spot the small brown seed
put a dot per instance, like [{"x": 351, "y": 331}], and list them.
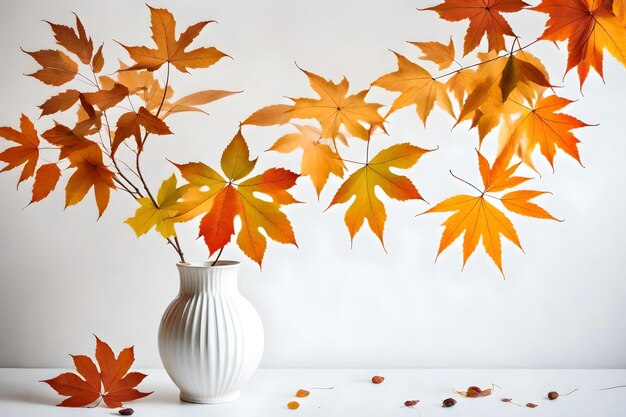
[
  {"x": 506, "y": 400},
  {"x": 411, "y": 403},
  {"x": 448, "y": 402},
  {"x": 553, "y": 395},
  {"x": 531, "y": 405},
  {"x": 378, "y": 379},
  {"x": 126, "y": 411}
]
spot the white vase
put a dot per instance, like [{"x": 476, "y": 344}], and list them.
[{"x": 211, "y": 337}]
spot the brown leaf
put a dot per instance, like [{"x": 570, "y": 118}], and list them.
[
  {"x": 27, "y": 150},
  {"x": 58, "y": 68},
  {"x": 60, "y": 102},
  {"x": 78, "y": 44},
  {"x": 129, "y": 125},
  {"x": 46, "y": 180},
  {"x": 105, "y": 99}
]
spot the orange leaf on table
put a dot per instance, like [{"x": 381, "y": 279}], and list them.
[
  {"x": 58, "y": 68},
  {"x": 540, "y": 125},
  {"x": 276, "y": 114},
  {"x": 106, "y": 99},
  {"x": 129, "y": 125},
  {"x": 112, "y": 382},
  {"x": 589, "y": 26},
  {"x": 90, "y": 173},
  {"x": 77, "y": 43},
  {"x": 437, "y": 52},
  {"x": 319, "y": 159},
  {"x": 301, "y": 393},
  {"x": 417, "y": 87},
  {"x": 477, "y": 218},
  {"x": 171, "y": 50},
  {"x": 230, "y": 196},
  {"x": 27, "y": 150},
  {"x": 335, "y": 108},
  {"x": 60, "y": 102},
  {"x": 377, "y": 173},
  {"x": 485, "y": 19},
  {"x": 46, "y": 180}
]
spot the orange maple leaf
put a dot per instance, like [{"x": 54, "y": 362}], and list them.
[
  {"x": 60, "y": 102},
  {"x": 478, "y": 218},
  {"x": 417, "y": 87},
  {"x": 27, "y": 150},
  {"x": 437, "y": 52},
  {"x": 90, "y": 173},
  {"x": 375, "y": 173},
  {"x": 111, "y": 383},
  {"x": 485, "y": 18},
  {"x": 46, "y": 181},
  {"x": 68, "y": 140},
  {"x": 77, "y": 43},
  {"x": 57, "y": 67},
  {"x": 319, "y": 158},
  {"x": 589, "y": 26},
  {"x": 172, "y": 50},
  {"x": 230, "y": 196},
  {"x": 335, "y": 108},
  {"x": 276, "y": 114},
  {"x": 540, "y": 125},
  {"x": 129, "y": 125}
]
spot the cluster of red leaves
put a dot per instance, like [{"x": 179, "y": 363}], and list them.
[{"x": 111, "y": 383}]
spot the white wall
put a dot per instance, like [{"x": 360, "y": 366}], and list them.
[{"x": 64, "y": 276}]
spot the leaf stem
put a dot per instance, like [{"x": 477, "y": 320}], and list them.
[
  {"x": 218, "y": 256},
  {"x": 468, "y": 183}
]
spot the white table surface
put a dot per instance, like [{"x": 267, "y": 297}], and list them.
[{"x": 21, "y": 395}]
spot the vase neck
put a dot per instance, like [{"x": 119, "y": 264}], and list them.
[{"x": 219, "y": 279}]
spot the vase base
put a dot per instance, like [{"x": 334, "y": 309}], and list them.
[{"x": 216, "y": 400}]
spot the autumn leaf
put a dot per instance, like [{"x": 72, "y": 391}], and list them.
[
  {"x": 190, "y": 102},
  {"x": 68, "y": 140},
  {"x": 129, "y": 125},
  {"x": 90, "y": 173},
  {"x": 476, "y": 217},
  {"x": 486, "y": 103},
  {"x": 111, "y": 383},
  {"x": 319, "y": 159},
  {"x": 148, "y": 215},
  {"x": 540, "y": 125},
  {"x": 230, "y": 196},
  {"x": 57, "y": 68},
  {"x": 97, "y": 63},
  {"x": 485, "y": 19},
  {"x": 60, "y": 102},
  {"x": 171, "y": 50},
  {"x": 417, "y": 87},
  {"x": 437, "y": 52},
  {"x": 475, "y": 392},
  {"x": 27, "y": 150},
  {"x": 77, "y": 43},
  {"x": 335, "y": 108},
  {"x": 46, "y": 180},
  {"x": 276, "y": 114},
  {"x": 375, "y": 173},
  {"x": 105, "y": 99},
  {"x": 589, "y": 26}
]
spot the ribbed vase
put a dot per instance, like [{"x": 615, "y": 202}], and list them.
[{"x": 211, "y": 337}]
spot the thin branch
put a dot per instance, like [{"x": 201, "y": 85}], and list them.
[
  {"x": 218, "y": 256},
  {"x": 447, "y": 74},
  {"x": 468, "y": 183}
]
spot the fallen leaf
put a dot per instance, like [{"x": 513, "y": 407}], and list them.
[{"x": 111, "y": 382}]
